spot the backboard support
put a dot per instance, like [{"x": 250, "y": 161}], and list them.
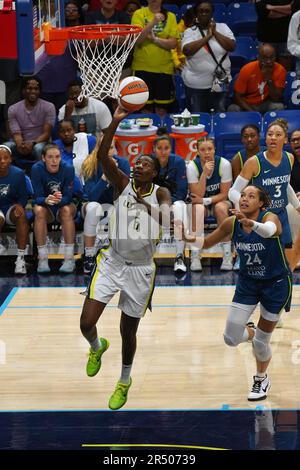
[{"x": 30, "y": 16}]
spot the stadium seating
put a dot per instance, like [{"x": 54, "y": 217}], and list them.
[
  {"x": 180, "y": 92},
  {"x": 242, "y": 18},
  {"x": 245, "y": 51},
  {"x": 174, "y": 9},
  {"x": 291, "y": 94},
  {"x": 227, "y": 130},
  {"x": 291, "y": 115}
]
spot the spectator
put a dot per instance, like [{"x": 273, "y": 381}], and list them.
[
  {"x": 273, "y": 17},
  {"x": 98, "y": 191},
  {"x": 95, "y": 5},
  {"x": 187, "y": 20},
  {"x": 53, "y": 182},
  {"x": 74, "y": 148},
  {"x": 210, "y": 177},
  {"x": 260, "y": 84},
  {"x": 293, "y": 41},
  {"x": 89, "y": 115},
  {"x": 30, "y": 122},
  {"x": 152, "y": 56},
  {"x": 107, "y": 13},
  {"x": 13, "y": 199},
  {"x": 131, "y": 6},
  {"x": 206, "y": 46},
  {"x": 172, "y": 175},
  {"x": 250, "y": 135},
  {"x": 64, "y": 67}
]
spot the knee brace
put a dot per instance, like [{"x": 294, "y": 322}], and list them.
[
  {"x": 261, "y": 347},
  {"x": 235, "y": 330},
  {"x": 92, "y": 216}
]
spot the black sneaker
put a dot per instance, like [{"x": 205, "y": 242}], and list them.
[{"x": 88, "y": 264}]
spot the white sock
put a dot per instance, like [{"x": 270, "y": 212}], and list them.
[
  {"x": 179, "y": 247},
  {"x": 261, "y": 375},
  {"x": 89, "y": 251},
  {"x": 20, "y": 253},
  {"x": 69, "y": 251},
  {"x": 226, "y": 249},
  {"x": 195, "y": 254},
  {"x": 43, "y": 251},
  {"x": 245, "y": 335},
  {"x": 96, "y": 344},
  {"x": 125, "y": 374}
]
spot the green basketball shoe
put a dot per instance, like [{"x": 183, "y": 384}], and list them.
[
  {"x": 94, "y": 361},
  {"x": 119, "y": 397}
]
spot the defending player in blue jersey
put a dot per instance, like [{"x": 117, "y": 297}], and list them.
[
  {"x": 271, "y": 169},
  {"x": 264, "y": 278}
]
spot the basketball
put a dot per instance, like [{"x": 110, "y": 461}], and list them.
[{"x": 133, "y": 93}]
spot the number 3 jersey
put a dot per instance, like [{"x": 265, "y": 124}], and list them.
[
  {"x": 134, "y": 233},
  {"x": 260, "y": 258},
  {"x": 274, "y": 180}
]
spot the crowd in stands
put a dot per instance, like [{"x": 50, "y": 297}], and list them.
[{"x": 49, "y": 138}]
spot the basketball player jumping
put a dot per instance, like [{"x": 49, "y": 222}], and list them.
[
  {"x": 126, "y": 266},
  {"x": 264, "y": 278}
]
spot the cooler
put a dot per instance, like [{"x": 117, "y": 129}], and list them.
[
  {"x": 134, "y": 142},
  {"x": 186, "y": 140}
]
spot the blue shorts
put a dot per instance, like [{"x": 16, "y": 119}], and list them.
[{"x": 273, "y": 294}]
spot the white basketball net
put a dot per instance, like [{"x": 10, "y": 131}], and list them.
[{"x": 101, "y": 61}]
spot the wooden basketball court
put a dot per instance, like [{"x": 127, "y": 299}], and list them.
[{"x": 181, "y": 361}]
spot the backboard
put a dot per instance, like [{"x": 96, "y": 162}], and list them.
[{"x": 30, "y": 17}]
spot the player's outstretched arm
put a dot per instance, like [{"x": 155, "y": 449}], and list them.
[{"x": 110, "y": 169}]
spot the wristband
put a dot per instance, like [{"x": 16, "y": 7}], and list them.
[{"x": 206, "y": 201}]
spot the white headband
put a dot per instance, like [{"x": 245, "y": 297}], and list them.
[{"x": 5, "y": 147}]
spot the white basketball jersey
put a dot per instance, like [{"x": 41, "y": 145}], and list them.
[{"x": 134, "y": 233}]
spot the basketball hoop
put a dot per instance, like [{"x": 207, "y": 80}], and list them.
[{"x": 100, "y": 50}]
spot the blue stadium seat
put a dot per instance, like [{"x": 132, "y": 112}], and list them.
[
  {"x": 227, "y": 130},
  {"x": 174, "y": 9},
  {"x": 180, "y": 92},
  {"x": 185, "y": 7},
  {"x": 291, "y": 115},
  {"x": 291, "y": 94},
  {"x": 245, "y": 51},
  {"x": 220, "y": 11},
  {"x": 242, "y": 18}
]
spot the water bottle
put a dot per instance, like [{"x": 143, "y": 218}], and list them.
[{"x": 81, "y": 125}]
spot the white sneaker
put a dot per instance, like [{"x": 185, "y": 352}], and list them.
[
  {"x": 2, "y": 249},
  {"x": 179, "y": 264},
  {"x": 43, "y": 266},
  {"x": 20, "y": 266},
  {"x": 196, "y": 264},
  {"x": 236, "y": 266},
  {"x": 68, "y": 266},
  {"x": 260, "y": 388},
  {"x": 226, "y": 264}
]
